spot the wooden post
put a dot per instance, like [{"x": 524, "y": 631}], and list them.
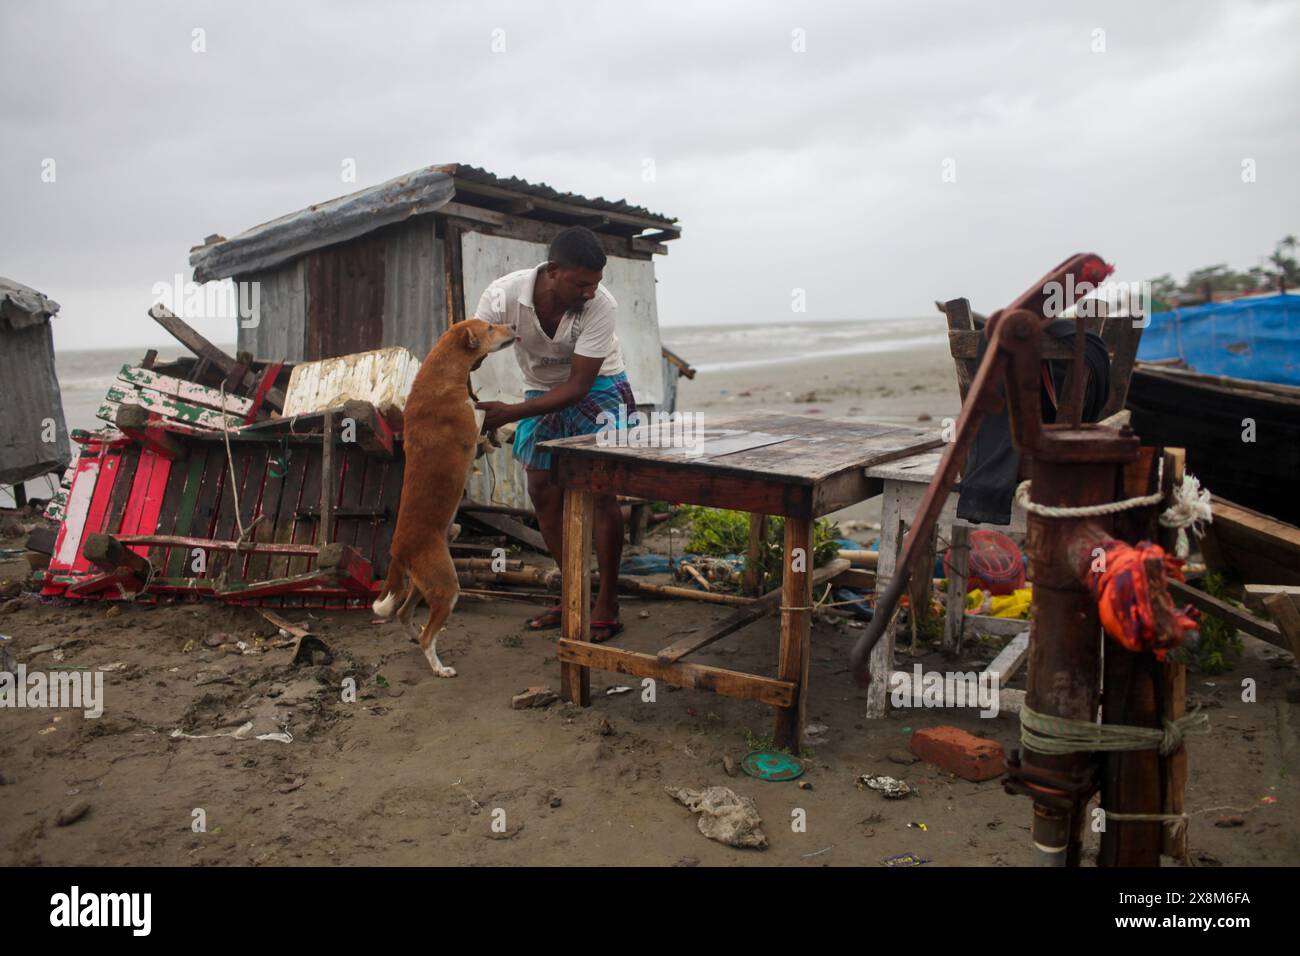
[
  {"x": 1173, "y": 679},
  {"x": 640, "y": 521},
  {"x": 328, "y": 482},
  {"x": 796, "y": 615},
  {"x": 575, "y": 587},
  {"x": 751, "y": 581},
  {"x": 958, "y": 575},
  {"x": 959, "y": 320},
  {"x": 1282, "y": 609},
  {"x": 891, "y": 543},
  {"x": 919, "y": 589}
]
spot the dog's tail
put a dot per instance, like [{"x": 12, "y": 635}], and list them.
[{"x": 394, "y": 590}]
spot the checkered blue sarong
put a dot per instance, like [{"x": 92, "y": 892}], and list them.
[{"x": 582, "y": 418}]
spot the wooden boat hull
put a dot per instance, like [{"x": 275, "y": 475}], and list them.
[{"x": 1242, "y": 437}]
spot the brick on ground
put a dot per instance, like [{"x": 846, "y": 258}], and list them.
[{"x": 959, "y": 752}]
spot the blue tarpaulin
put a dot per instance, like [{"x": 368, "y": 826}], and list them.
[{"x": 1254, "y": 338}]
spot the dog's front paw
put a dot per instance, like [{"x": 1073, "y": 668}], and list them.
[{"x": 445, "y": 671}]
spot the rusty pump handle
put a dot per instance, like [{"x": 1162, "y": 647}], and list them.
[{"x": 1013, "y": 357}]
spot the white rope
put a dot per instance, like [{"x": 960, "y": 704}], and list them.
[
  {"x": 1082, "y": 511},
  {"x": 230, "y": 460},
  {"x": 1190, "y": 508}
]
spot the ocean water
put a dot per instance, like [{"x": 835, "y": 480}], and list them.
[
  {"x": 715, "y": 348},
  {"x": 85, "y": 375}
]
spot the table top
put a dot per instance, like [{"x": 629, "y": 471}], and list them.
[
  {"x": 758, "y": 444},
  {"x": 918, "y": 471},
  {"x": 914, "y": 468}
]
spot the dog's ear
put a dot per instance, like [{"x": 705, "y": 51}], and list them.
[{"x": 471, "y": 340}]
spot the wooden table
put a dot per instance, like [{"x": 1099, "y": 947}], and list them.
[
  {"x": 905, "y": 481},
  {"x": 797, "y": 466}
]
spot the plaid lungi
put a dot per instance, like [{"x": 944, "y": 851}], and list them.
[{"x": 583, "y": 418}]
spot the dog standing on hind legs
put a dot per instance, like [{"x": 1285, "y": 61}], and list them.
[{"x": 440, "y": 438}]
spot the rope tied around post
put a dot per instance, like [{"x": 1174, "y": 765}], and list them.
[
  {"x": 1056, "y": 736},
  {"x": 1190, "y": 508}
]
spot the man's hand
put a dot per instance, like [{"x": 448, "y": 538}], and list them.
[{"x": 497, "y": 414}]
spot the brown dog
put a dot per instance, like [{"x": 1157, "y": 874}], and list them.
[{"x": 440, "y": 434}]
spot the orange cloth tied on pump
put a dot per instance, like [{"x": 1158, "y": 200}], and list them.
[{"x": 1129, "y": 610}]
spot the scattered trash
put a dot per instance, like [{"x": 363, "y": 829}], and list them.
[
  {"x": 621, "y": 689},
  {"x": 917, "y": 826},
  {"x": 904, "y": 859},
  {"x": 770, "y": 766},
  {"x": 1268, "y": 800},
  {"x": 241, "y": 733},
  {"x": 533, "y": 697},
  {"x": 854, "y": 599},
  {"x": 71, "y": 813},
  {"x": 825, "y": 849},
  {"x": 891, "y": 788},
  {"x": 728, "y": 765},
  {"x": 996, "y": 564},
  {"x": 805, "y": 785},
  {"x": 311, "y": 650},
  {"x": 724, "y": 815}
]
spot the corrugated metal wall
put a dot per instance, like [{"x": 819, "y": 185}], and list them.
[
  {"x": 415, "y": 286},
  {"x": 281, "y": 329},
  {"x": 29, "y": 396},
  {"x": 414, "y": 308}
]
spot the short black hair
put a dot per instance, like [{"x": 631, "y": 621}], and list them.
[{"x": 577, "y": 248}]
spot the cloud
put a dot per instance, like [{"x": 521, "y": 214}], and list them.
[{"x": 818, "y": 170}]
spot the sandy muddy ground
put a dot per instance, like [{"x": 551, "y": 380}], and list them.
[{"x": 413, "y": 771}]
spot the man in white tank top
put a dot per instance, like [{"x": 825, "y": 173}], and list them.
[{"x": 573, "y": 372}]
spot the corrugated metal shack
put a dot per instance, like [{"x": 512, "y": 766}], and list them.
[
  {"x": 34, "y": 440},
  {"x": 395, "y": 264}
]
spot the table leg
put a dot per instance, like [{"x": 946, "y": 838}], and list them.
[
  {"x": 796, "y": 616},
  {"x": 575, "y": 623},
  {"x": 891, "y": 542},
  {"x": 958, "y": 574},
  {"x": 640, "y": 521},
  {"x": 757, "y": 535}
]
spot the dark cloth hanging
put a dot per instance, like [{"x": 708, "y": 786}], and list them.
[{"x": 993, "y": 465}]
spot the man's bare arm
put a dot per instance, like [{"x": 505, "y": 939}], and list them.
[{"x": 582, "y": 374}]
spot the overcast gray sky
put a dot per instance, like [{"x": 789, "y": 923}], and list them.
[{"x": 819, "y": 169}]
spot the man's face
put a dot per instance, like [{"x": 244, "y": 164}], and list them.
[{"x": 575, "y": 287}]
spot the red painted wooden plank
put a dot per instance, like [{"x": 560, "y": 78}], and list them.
[
  {"x": 67, "y": 544},
  {"x": 111, "y": 461}
]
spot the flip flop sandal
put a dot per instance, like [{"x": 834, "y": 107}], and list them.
[
  {"x": 614, "y": 629},
  {"x": 548, "y": 619}
]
